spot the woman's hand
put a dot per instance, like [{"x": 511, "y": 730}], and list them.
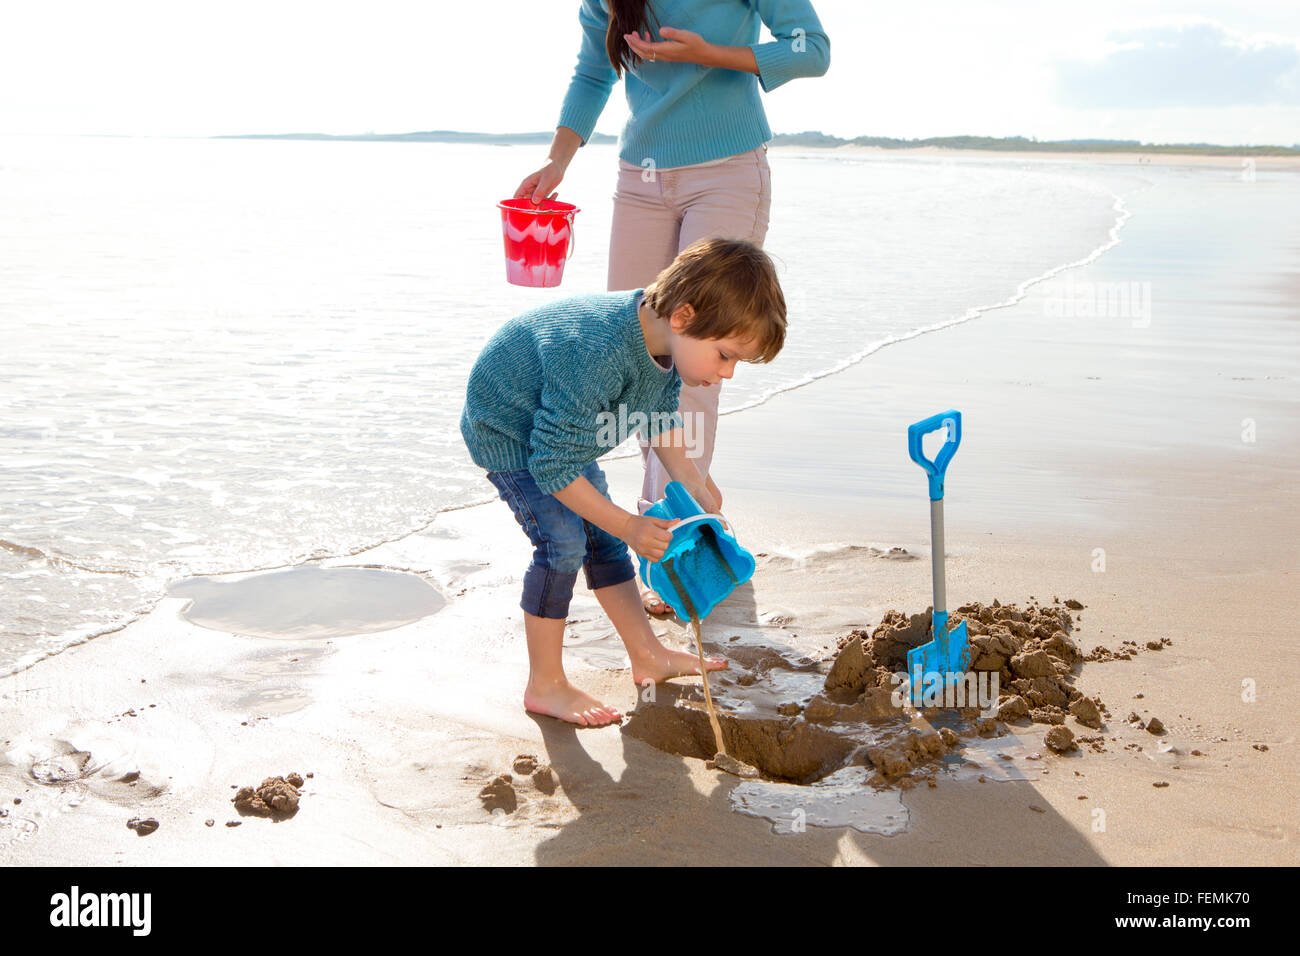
[
  {"x": 717, "y": 495},
  {"x": 541, "y": 184},
  {"x": 679, "y": 46},
  {"x": 711, "y": 500}
]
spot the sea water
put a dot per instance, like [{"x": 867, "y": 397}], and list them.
[{"x": 221, "y": 355}]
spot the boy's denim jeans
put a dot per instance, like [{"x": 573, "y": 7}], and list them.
[{"x": 562, "y": 543}]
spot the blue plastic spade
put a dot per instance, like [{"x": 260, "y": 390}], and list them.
[{"x": 949, "y": 651}]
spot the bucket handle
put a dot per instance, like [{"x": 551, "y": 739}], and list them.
[
  {"x": 573, "y": 237},
  {"x": 683, "y": 522}
]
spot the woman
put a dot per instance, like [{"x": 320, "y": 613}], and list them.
[{"x": 693, "y": 155}]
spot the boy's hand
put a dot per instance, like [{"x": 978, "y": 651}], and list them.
[{"x": 647, "y": 536}]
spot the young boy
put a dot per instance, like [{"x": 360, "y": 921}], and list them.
[{"x": 549, "y": 395}]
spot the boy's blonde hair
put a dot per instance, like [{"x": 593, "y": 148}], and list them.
[{"x": 731, "y": 286}]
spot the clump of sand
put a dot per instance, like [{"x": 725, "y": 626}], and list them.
[
  {"x": 1060, "y": 739},
  {"x": 1126, "y": 652},
  {"x": 525, "y": 764},
  {"x": 500, "y": 794},
  {"x": 502, "y": 791},
  {"x": 275, "y": 797}
]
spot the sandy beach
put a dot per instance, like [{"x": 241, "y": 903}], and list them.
[{"x": 1141, "y": 465}]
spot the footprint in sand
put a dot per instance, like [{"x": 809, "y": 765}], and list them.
[
  {"x": 21, "y": 818},
  {"x": 86, "y": 763},
  {"x": 63, "y": 768},
  {"x": 14, "y": 829},
  {"x": 122, "y": 763}
]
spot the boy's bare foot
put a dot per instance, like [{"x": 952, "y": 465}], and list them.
[
  {"x": 663, "y": 664},
  {"x": 654, "y": 604},
  {"x": 566, "y": 702}
]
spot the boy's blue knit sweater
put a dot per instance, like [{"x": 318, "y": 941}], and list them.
[
  {"x": 561, "y": 385},
  {"x": 684, "y": 113}
]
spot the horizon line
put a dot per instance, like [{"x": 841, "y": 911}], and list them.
[
  {"x": 811, "y": 138},
  {"x": 814, "y": 138}
]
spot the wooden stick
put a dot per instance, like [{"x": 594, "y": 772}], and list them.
[{"x": 708, "y": 698}]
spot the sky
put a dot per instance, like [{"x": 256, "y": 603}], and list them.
[{"x": 1214, "y": 72}]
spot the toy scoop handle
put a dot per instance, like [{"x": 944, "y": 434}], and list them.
[{"x": 949, "y": 420}]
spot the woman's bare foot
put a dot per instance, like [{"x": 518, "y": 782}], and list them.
[
  {"x": 568, "y": 703},
  {"x": 654, "y": 604},
  {"x": 662, "y": 664}
]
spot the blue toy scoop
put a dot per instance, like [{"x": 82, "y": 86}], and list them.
[
  {"x": 706, "y": 561},
  {"x": 703, "y": 564},
  {"x": 948, "y": 652}
]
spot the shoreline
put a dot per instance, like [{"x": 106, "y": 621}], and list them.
[
  {"x": 1135, "y": 157},
  {"x": 974, "y": 312}
]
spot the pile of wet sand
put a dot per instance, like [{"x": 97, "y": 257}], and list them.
[
  {"x": 275, "y": 797},
  {"x": 501, "y": 793},
  {"x": 801, "y": 720}
]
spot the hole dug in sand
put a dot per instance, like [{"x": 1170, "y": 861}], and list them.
[
  {"x": 802, "y": 721},
  {"x": 775, "y": 715}
]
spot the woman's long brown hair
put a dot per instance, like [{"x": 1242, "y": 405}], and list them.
[{"x": 625, "y": 16}]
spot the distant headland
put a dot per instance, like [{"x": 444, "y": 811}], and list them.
[{"x": 818, "y": 140}]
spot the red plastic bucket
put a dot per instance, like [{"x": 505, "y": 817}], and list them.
[{"x": 538, "y": 240}]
